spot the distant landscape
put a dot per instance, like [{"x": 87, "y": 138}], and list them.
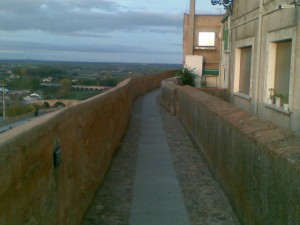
[{"x": 27, "y": 80}]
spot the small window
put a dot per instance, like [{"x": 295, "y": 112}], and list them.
[
  {"x": 245, "y": 70},
  {"x": 206, "y": 39}
]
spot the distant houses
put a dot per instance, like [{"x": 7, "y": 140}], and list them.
[
  {"x": 6, "y": 90},
  {"x": 32, "y": 97}
]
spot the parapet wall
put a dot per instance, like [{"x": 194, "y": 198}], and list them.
[
  {"x": 256, "y": 162},
  {"x": 83, "y": 138}
]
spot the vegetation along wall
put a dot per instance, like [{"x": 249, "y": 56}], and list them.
[
  {"x": 256, "y": 162},
  {"x": 51, "y": 168}
]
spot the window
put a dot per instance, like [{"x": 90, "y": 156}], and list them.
[
  {"x": 283, "y": 67},
  {"x": 279, "y": 68},
  {"x": 243, "y": 70},
  {"x": 206, "y": 39}
]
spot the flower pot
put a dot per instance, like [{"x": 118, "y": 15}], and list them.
[
  {"x": 286, "y": 107},
  {"x": 278, "y": 102},
  {"x": 269, "y": 101}
]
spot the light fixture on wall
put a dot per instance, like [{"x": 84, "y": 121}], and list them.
[
  {"x": 226, "y": 3},
  {"x": 292, "y": 5}
]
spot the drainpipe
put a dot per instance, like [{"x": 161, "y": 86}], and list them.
[
  {"x": 190, "y": 50},
  {"x": 257, "y": 93}
]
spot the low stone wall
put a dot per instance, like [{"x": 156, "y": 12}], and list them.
[
  {"x": 34, "y": 187},
  {"x": 169, "y": 96},
  {"x": 221, "y": 93},
  {"x": 256, "y": 162}
]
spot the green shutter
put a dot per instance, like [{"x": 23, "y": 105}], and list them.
[{"x": 226, "y": 39}]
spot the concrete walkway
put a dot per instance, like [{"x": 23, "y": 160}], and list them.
[
  {"x": 156, "y": 195},
  {"x": 158, "y": 177}
]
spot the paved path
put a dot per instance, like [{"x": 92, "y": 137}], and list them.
[
  {"x": 13, "y": 124},
  {"x": 158, "y": 177},
  {"x": 156, "y": 194}
]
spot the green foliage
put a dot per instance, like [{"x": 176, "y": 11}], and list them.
[
  {"x": 65, "y": 88},
  {"x": 50, "y": 92},
  {"x": 82, "y": 95},
  {"x": 186, "y": 76},
  {"x": 42, "y": 71},
  {"x": 111, "y": 82},
  {"x": 203, "y": 84},
  {"x": 25, "y": 82},
  {"x": 19, "y": 110},
  {"x": 285, "y": 99}
]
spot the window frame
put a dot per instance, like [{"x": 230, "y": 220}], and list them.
[
  {"x": 273, "y": 38},
  {"x": 248, "y": 42}
]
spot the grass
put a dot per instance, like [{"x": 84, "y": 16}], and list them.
[{"x": 82, "y": 95}]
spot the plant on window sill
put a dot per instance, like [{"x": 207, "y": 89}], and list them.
[
  {"x": 281, "y": 100},
  {"x": 278, "y": 99},
  {"x": 271, "y": 98},
  {"x": 285, "y": 100}
]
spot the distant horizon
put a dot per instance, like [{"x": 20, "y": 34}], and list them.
[{"x": 78, "y": 61}]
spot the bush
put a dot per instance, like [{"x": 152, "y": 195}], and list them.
[{"x": 187, "y": 77}]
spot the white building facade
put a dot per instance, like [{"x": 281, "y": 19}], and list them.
[{"x": 262, "y": 58}]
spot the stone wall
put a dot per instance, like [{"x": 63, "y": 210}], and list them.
[
  {"x": 256, "y": 162},
  {"x": 85, "y": 138},
  {"x": 222, "y": 93}
]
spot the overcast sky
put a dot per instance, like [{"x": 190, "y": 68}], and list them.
[{"x": 146, "y": 31}]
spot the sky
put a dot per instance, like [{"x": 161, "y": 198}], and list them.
[{"x": 133, "y": 31}]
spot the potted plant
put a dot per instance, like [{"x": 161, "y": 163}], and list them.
[
  {"x": 271, "y": 98},
  {"x": 203, "y": 84},
  {"x": 278, "y": 99},
  {"x": 186, "y": 76},
  {"x": 285, "y": 100}
]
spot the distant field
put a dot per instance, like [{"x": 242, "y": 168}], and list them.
[{"x": 82, "y": 95}]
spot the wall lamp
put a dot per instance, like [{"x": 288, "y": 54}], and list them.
[
  {"x": 292, "y": 5},
  {"x": 226, "y": 3}
]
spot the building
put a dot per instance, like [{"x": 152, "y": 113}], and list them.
[
  {"x": 201, "y": 45},
  {"x": 259, "y": 56},
  {"x": 264, "y": 57}
]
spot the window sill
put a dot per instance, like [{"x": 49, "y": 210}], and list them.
[
  {"x": 279, "y": 109},
  {"x": 241, "y": 95},
  {"x": 205, "y": 48}
]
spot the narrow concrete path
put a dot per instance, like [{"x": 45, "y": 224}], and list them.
[
  {"x": 158, "y": 177},
  {"x": 156, "y": 195}
]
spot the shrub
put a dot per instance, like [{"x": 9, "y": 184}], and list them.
[{"x": 187, "y": 76}]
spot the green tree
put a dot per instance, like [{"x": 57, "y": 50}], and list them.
[{"x": 65, "y": 88}]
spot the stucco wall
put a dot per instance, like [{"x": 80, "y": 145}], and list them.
[
  {"x": 256, "y": 162},
  {"x": 32, "y": 191},
  {"x": 204, "y": 23},
  {"x": 258, "y": 23},
  {"x": 275, "y": 28}
]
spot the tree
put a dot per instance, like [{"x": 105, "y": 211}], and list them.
[{"x": 65, "y": 88}]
